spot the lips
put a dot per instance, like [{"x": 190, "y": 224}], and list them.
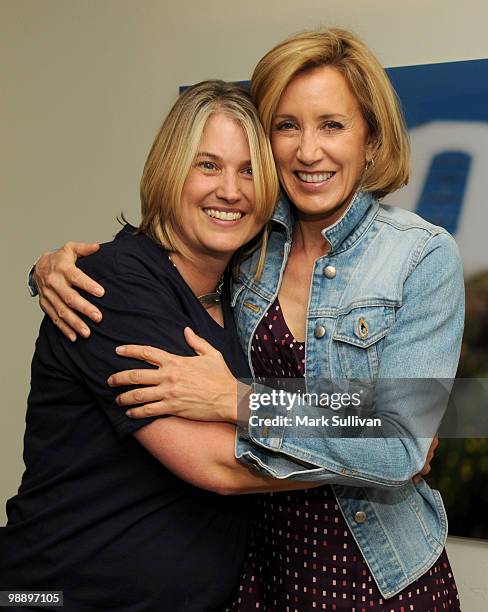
[
  {"x": 314, "y": 177},
  {"x": 223, "y": 215}
]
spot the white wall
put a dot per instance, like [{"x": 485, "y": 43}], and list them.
[
  {"x": 469, "y": 562},
  {"x": 84, "y": 86}
]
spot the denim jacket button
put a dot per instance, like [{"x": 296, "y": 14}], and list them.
[
  {"x": 360, "y": 517},
  {"x": 319, "y": 331},
  {"x": 329, "y": 271}
]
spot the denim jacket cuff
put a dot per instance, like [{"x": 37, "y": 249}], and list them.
[{"x": 279, "y": 466}]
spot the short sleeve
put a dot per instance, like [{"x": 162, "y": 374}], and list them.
[{"x": 138, "y": 307}]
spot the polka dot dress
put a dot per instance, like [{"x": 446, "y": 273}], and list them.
[
  {"x": 275, "y": 353},
  {"x": 301, "y": 554}
]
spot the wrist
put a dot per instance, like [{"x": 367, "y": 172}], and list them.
[
  {"x": 242, "y": 412},
  {"x": 31, "y": 282},
  {"x": 229, "y": 406}
]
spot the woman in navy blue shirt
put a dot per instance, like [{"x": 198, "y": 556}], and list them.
[{"x": 97, "y": 515}]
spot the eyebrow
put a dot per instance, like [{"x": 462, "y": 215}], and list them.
[
  {"x": 201, "y": 154},
  {"x": 322, "y": 117},
  {"x": 211, "y": 155}
]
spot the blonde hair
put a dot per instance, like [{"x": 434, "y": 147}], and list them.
[
  {"x": 369, "y": 83},
  {"x": 176, "y": 145}
]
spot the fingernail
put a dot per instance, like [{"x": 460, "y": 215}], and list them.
[
  {"x": 109, "y": 381},
  {"x": 120, "y": 349},
  {"x": 99, "y": 292},
  {"x": 72, "y": 337},
  {"x": 96, "y": 316},
  {"x": 128, "y": 413},
  {"x": 85, "y": 332}
]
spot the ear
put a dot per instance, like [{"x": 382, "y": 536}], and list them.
[{"x": 370, "y": 149}]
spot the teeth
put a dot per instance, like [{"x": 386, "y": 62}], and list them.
[
  {"x": 224, "y": 216},
  {"x": 318, "y": 177}
]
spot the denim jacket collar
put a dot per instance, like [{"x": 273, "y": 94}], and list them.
[
  {"x": 283, "y": 215},
  {"x": 346, "y": 230}
]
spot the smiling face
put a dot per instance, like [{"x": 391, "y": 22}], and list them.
[
  {"x": 320, "y": 143},
  {"x": 217, "y": 211}
]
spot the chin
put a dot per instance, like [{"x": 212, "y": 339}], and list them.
[
  {"x": 222, "y": 250},
  {"x": 319, "y": 205},
  {"x": 314, "y": 206}
]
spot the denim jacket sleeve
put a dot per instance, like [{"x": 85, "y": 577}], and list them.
[{"x": 423, "y": 342}]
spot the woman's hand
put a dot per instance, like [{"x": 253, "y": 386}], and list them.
[
  {"x": 56, "y": 274},
  {"x": 199, "y": 388},
  {"x": 430, "y": 455}
]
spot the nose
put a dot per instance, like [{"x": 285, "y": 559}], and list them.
[
  {"x": 309, "y": 150},
  {"x": 228, "y": 188}
]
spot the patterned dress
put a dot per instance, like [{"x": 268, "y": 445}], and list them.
[{"x": 301, "y": 554}]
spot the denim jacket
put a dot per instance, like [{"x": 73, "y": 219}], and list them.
[{"x": 402, "y": 276}]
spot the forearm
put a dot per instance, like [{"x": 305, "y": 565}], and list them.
[
  {"x": 203, "y": 455},
  {"x": 387, "y": 449}
]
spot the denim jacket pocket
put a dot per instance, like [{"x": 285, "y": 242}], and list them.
[{"x": 358, "y": 339}]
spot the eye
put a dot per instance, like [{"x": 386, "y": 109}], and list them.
[
  {"x": 247, "y": 171},
  {"x": 284, "y": 126},
  {"x": 332, "y": 125},
  {"x": 206, "y": 165}
]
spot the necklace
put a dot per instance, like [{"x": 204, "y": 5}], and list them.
[{"x": 208, "y": 299}]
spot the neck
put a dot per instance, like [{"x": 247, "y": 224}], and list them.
[
  {"x": 307, "y": 232},
  {"x": 307, "y": 237},
  {"x": 201, "y": 274}
]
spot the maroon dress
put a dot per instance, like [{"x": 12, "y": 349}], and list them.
[{"x": 301, "y": 553}]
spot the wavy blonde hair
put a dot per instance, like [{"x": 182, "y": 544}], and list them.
[
  {"x": 176, "y": 145},
  {"x": 369, "y": 83}
]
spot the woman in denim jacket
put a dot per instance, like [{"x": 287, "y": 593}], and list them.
[{"x": 351, "y": 289}]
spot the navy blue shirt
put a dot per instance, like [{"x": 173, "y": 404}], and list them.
[{"x": 96, "y": 515}]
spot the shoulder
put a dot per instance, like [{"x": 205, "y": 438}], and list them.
[
  {"x": 132, "y": 268},
  {"x": 420, "y": 237},
  {"x": 129, "y": 253},
  {"x": 404, "y": 220}
]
